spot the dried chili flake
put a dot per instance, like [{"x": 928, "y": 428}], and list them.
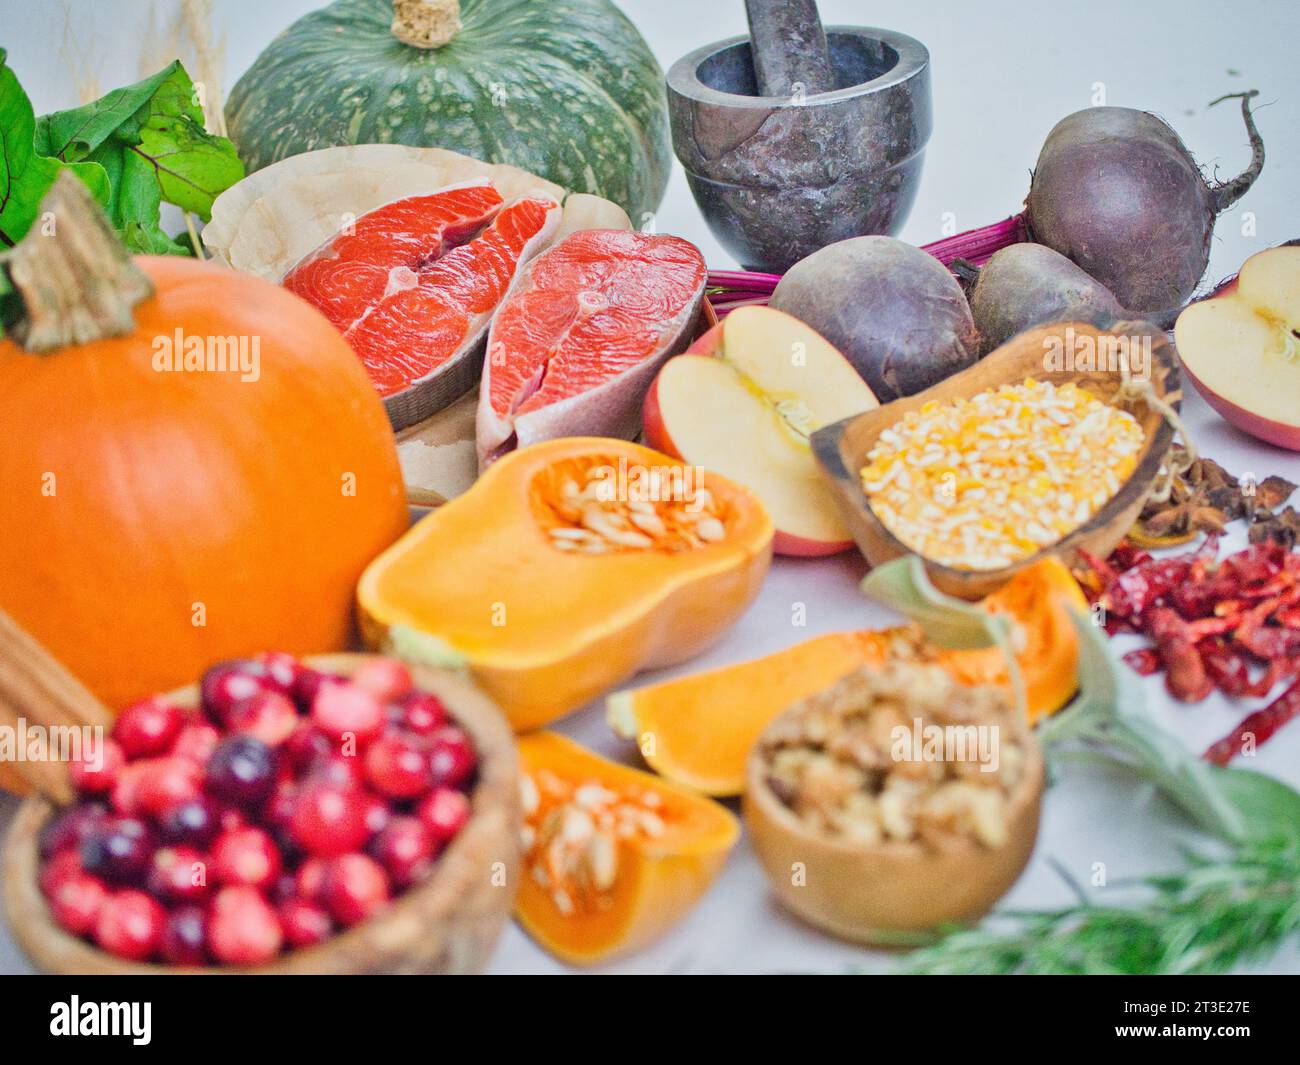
[{"x": 1258, "y": 727}]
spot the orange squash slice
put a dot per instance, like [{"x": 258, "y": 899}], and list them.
[
  {"x": 613, "y": 856},
  {"x": 698, "y": 730},
  {"x": 548, "y": 614}
]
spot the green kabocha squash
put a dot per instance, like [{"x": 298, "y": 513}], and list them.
[{"x": 567, "y": 89}]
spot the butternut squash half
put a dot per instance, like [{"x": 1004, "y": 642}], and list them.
[
  {"x": 613, "y": 856},
  {"x": 568, "y": 567},
  {"x": 698, "y": 730}
]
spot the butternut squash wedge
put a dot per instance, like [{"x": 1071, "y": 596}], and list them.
[
  {"x": 613, "y": 856},
  {"x": 571, "y": 565},
  {"x": 698, "y": 730}
]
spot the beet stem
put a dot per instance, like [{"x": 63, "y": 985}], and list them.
[{"x": 1229, "y": 192}]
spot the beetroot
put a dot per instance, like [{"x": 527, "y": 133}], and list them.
[
  {"x": 1029, "y": 284},
  {"x": 1117, "y": 192},
  {"x": 892, "y": 310}
]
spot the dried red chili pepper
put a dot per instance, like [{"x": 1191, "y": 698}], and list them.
[
  {"x": 1145, "y": 661},
  {"x": 1261, "y": 726},
  {"x": 1185, "y": 674}
]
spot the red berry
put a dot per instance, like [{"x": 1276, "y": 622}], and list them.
[
  {"x": 165, "y": 783},
  {"x": 76, "y": 903},
  {"x": 124, "y": 797},
  {"x": 452, "y": 758},
  {"x": 310, "y": 879},
  {"x": 242, "y": 927},
  {"x": 68, "y": 829},
  {"x": 246, "y": 856},
  {"x": 130, "y": 925},
  {"x": 195, "y": 823},
  {"x": 405, "y": 849},
  {"x": 310, "y": 681},
  {"x": 344, "y": 710},
  {"x": 148, "y": 728},
  {"x": 355, "y": 887},
  {"x": 63, "y": 866},
  {"x": 378, "y": 813},
  {"x": 424, "y": 714},
  {"x": 282, "y": 668},
  {"x": 397, "y": 768},
  {"x": 118, "y": 851},
  {"x": 279, "y": 808},
  {"x": 305, "y": 745},
  {"x": 242, "y": 771},
  {"x": 444, "y": 813},
  {"x": 384, "y": 678},
  {"x": 344, "y": 771},
  {"x": 179, "y": 874},
  {"x": 329, "y": 819},
  {"x": 96, "y": 772},
  {"x": 305, "y": 923},
  {"x": 185, "y": 937},
  {"x": 227, "y": 683},
  {"x": 196, "y": 742},
  {"x": 269, "y": 716}
]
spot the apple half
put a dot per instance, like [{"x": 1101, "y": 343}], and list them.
[
  {"x": 1241, "y": 348},
  {"x": 743, "y": 400}
]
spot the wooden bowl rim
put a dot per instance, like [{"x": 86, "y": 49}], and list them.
[
  {"x": 826, "y": 446},
  {"x": 495, "y": 791}
]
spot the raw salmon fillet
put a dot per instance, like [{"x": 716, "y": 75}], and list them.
[
  {"x": 413, "y": 284},
  {"x": 576, "y": 344}
]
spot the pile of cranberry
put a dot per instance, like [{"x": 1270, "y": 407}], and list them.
[{"x": 294, "y": 803}]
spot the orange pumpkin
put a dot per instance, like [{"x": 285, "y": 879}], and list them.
[{"x": 157, "y": 520}]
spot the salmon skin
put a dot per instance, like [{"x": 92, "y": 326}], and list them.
[
  {"x": 576, "y": 345},
  {"x": 412, "y": 286}
]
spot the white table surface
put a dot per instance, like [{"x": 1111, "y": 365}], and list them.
[{"x": 1003, "y": 73}]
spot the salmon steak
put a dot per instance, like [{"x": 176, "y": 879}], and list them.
[
  {"x": 575, "y": 346},
  {"x": 412, "y": 286}
]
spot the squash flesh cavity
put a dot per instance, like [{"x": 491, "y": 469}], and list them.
[
  {"x": 658, "y": 877},
  {"x": 544, "y": 630},
  {"x": 698, "y": 730}
]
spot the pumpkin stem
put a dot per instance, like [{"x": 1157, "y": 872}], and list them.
[
  {"x": 77, "y": 281},
  {"x": 425, "y": 23}
]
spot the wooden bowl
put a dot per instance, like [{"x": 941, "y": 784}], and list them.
[
  {"x": 448, "y": 923},
  {"x": 842, "y": 448},
  {"x": 870, "y": 893}
]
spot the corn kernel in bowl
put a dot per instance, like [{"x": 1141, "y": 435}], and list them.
[{"x": 983, "y": 482}]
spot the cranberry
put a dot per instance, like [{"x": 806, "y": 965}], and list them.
[
  {"x": 195, "y": 823},
  {"x": 96, "y": 773},
  {"x": 148, "y": 728},
  {"x": 423, "y": 714},
  {"x": 306, "y": 745},
  {"x": 227, "y": 683},
  {"x": 68, "y": 829},
  {"x": 231, "y": 819},
  {"x": 196, "y": 742},
  {"x": 242, "y": 927},
  {"x": 344, "y": 771},
  {"x": 62, "y": 866},
  {"x": 378, "y": 814},
  {"x": 355, "y": 887},
  {"x": 269, "y": 716},
  {"x": 309, "y": 881},
  {"x": 126, "y": 789},
  {"x": 76, "y": 903},
  {"x": 329, "y": 819},
  {"x": 130, "y": 925},
  {"x": 304, "y": 923},
  {"x": 246, "y": 856},
  {"x": 396, "y": 767},
  {"x": 179, "y": 874},
  {"x": 282, "y": 668},
  {"x": 452, "y": 758},
  {"x": 346, "y": 710},
  {"x": 165, "y": 783},
  {"x": 405, "y": 849},
  {"x": 384, "y": 678},
  {"x": 185, "y": 937},
  {"x": 119, "y": 851},
  {"x": 310, "y": 682},
  {"x": 241, "y": 771},
  {"x": 279, "y": 808},
  {"x": 444, "y": 813}
]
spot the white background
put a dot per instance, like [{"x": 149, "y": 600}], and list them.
[{"x": 1003, "y": 73}]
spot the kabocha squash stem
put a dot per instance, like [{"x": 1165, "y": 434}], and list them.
[
  {"x": 426, "y": 23},
  {"x": 77, "y": 281},
  {"x": 36, "y": 688}
]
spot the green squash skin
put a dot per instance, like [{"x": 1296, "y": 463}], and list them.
[{"x": 566, "y": 89}]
